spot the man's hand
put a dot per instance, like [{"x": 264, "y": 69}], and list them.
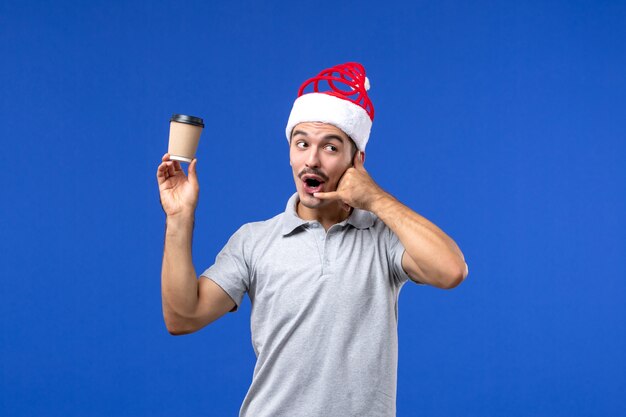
[
  {"x": 356, "y": 188},
  {"x": 178, "y": 193}
]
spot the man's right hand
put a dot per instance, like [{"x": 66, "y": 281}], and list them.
[{"x": 178, "y": 192}]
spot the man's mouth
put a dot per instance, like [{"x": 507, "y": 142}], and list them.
[{"x": 312, "y": 183}]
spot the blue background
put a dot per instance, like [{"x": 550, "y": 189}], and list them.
[{"x": 503, "y": 123}]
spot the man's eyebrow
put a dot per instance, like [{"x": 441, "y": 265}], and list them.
[
  {"x": 328, "y": 137},
  {"x": 298, "y": 132}
]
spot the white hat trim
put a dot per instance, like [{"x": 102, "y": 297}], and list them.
[{"x": 320, "y": 107}]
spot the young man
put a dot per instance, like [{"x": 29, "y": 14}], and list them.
[{"x": 324, "y": 276}]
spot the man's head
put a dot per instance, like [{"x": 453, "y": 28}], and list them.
[
  {"x": 327, "y": 127},
  {"x": 319, "y": 154}
]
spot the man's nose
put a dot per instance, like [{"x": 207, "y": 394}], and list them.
[{"x": 312, "y": 159}]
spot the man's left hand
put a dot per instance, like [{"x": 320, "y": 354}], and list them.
[{"x": 356, "y": 188}]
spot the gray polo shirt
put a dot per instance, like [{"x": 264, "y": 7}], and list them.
[{"x": 324, "y": 313}]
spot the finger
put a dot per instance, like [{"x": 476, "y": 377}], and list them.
[
  {"x": 177, "y": 166},
  {"x": 170, "y": 168},
  {"x": 161, "y": 172},
  {"x": 166, "y": 157},
  {"x": 358, "y": 160},
  {"x": 193, "y": 175},
  {"x": 331, "y": 195}
]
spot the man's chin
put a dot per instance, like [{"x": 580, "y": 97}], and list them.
[{"x": 309, "y": 201}]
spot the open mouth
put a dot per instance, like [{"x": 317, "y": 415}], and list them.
[{"x": 312, "y": 184}]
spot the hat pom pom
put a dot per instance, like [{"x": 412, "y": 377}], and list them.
[{"x": 367, "y": 84}]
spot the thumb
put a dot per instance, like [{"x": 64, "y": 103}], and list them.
[{"x": 193, "y": 175}]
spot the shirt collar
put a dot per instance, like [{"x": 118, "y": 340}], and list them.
[
  {"x": 359, "y": 219},
  {"x": 291, "y": 221}
]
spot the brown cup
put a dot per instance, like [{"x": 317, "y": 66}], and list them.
[{"x": 184, "y": 137}]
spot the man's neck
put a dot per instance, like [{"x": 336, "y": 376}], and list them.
[{"x": 326, "y": 216}]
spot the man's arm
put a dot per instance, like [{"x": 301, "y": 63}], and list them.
[
  {"x": 188, "y": 303},
  {"x": 430, "y": 257}
]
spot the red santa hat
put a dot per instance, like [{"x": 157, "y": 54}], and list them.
[{"x": 343, "y": 102}]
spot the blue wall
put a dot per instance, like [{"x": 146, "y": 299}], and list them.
[{"x": 503, "y": 123}]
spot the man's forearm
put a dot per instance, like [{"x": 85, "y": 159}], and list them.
[
  {"x": 179, "y": 285},
  {"x": 436, "y": 254}
]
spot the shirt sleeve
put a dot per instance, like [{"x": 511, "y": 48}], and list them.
[{"x": 231, "y": 270}]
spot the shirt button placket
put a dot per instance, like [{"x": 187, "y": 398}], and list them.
[
  {"x": 324, "y": 240},
  {"x": 318, "y": 234},
  {"x": 327, "y": 253}
]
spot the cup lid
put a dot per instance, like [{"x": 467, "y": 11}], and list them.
[{"x": 190, "y": 120}]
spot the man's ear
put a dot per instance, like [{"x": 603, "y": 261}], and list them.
[{"x": 362, "y": 156}]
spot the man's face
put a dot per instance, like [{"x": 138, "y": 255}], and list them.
[{"x": 319, "y": 153}]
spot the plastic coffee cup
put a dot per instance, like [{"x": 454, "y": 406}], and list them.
[{"x": 184, "y": 137}]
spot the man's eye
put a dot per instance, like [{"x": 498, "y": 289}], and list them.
[
  {"x": 301, "y": 144},
  {"x": 331, "y": 148}
]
